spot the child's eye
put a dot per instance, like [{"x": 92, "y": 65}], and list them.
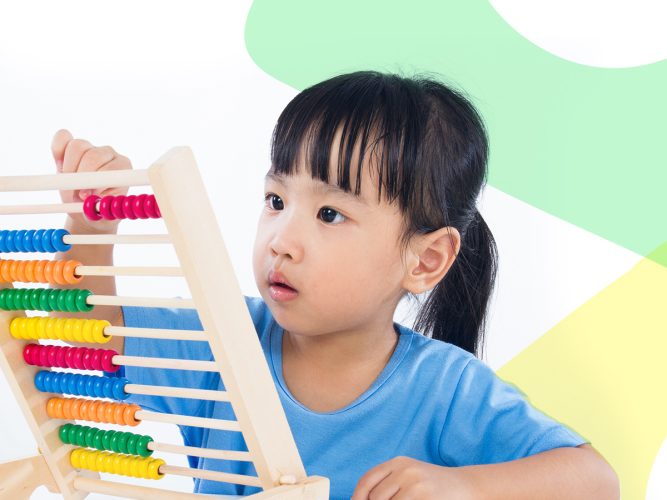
[
  {"x": 270, "y": 196},
  {"x": 329, "y": 215}
]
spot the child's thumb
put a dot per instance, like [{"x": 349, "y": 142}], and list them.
[{"x": 58, "y": 145}]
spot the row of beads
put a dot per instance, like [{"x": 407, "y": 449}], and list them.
[
  {"x": 91, "y": 410},
  {"x": 116, "y": 441},
  {"x": 80, "y": 358},
  {"x": 77, "y": 384},
  {"x": 143, "y": 206},
  {"x": 45, "y": 299},
  {"x": 114, "y": 463},
  {"x": 70, "y": 329},
  {"x": 34, "y": 240},
  {"x": 56, "y": 272}
]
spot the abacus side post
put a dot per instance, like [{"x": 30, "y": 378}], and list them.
[{"x": 19, "y": 478}]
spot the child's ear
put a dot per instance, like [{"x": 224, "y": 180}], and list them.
[{"x": 429, "y": 258}]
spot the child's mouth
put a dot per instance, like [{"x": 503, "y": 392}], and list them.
[{"x": 280, "y": 292}]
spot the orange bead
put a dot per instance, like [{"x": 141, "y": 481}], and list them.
[
  {"x": 48, "y": 271},
  {"x": 30, "y": 271},
  {"x": 39, "y": 271},
  {"x": 58, "y": 272},
  {"x": 69, "y": 272}
]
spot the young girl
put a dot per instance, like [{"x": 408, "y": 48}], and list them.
[{"x": 371, "y": 196}]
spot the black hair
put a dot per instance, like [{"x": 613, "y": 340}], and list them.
[{"x": 433, "y": 152}]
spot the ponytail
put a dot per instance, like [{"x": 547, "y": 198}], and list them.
[{"x": 455, "y": 311}]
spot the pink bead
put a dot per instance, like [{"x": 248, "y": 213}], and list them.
[
  {"x": 51, "y": 352},
  {"x": 117, "y": 207},
  {"x": 105, "y": 208},
  {"x": 151, "y": 208},
  {"x": 89, "y": 207},
  {"x": 43, "y": 356},
  {"x": 86, "y": 358},
  {"x": 68, "y": 357},
  {"x": 96, "y": 359},
  {"x": 60, "y": 357},
  {"x": 138, "y": 206},
  {"x": 128, "y": 208},
  {"x": 26, "y": 353},
  {"x": 107, "y": 363},
  {"x": 76, "y": 359}
]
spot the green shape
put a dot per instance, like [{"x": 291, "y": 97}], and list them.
[{"x": 581, "y": 143}]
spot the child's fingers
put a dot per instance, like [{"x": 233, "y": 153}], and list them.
[
  {"x": 118, "y": 162},
  {"x": 74, "y": 151},
  {"x": 58, "y": 145}
]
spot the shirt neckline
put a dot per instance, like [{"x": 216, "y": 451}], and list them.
[{"x": 276, "y": 343}]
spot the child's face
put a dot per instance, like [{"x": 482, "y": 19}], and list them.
[{"x": 340, "y": 254}]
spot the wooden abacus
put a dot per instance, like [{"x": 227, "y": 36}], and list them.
[{"x": 179, "y": 197}]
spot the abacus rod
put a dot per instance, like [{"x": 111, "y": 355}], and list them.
[
  {"x": 83, "y": 180},
  {"x": 221, "y": 477},
  {"x": 238, "y": 456},
  {"x": 177, "y": 392},
  {"x": 127, "y": 271},
  {"x": 172, "y": 418},
  {"x": 46, "y": 208},
  {"x": 105, "y": 487},
  {"x": 168, "y": 363},
  {"x": 113, "y": 300},
  {"x": 114, "y": 239},
  {"x": 156, "y": 333}
]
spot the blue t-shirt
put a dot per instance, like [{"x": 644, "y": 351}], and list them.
[{"x": 433, "y": 402}]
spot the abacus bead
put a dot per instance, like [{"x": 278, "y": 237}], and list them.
[
  {"x": 106, "y": 363},
  {"x": 113, "y": 442},
  {"x": 35, "y": 295},
  {"x": 142, "y": 446},
  {"x": 63, "y": 433},
  {"x": 52, "y": 355},
  {"x": 128, "y": 207},
  {"x": 57, "y": 240},
  {"x": 118, "y": 389},
  {"x": 106, "y": 439},
  {"x": 81, "y": 300},
  {"x": 95, "y": 359},
  {"x": 47, "y": 239},
  {"x": 43, "y": 357},
  {"x": 98, "y": 437},
  {"x": 77, "y": 363},
  {"x": 138, "y": 206},
  {"x": 86, "y": 358},
  {"x": 18, "y": 240},
  {"x": 70, "y": 300},
  {"x": 122, "y": 442},
  {"x": 60, "y": 300},
  {"x": 26, "y": 353},
  {"x": 89, "y": 207},
  {"x": 39, "y": 381},
  {"x": 117, "y": 207}
]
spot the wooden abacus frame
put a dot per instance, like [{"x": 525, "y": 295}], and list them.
[{"x": 228, "y": 328}]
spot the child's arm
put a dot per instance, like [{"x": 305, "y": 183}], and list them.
[
  {"x": 77, "y": 155},
  {"x": 561, "y": 473}
]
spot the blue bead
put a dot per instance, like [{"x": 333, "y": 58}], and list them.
[
  {"x": 29, "y": 240},
  {"x": 90, "y": 386},
  {"x": 99, "y": 388},
  {"x": 57, "y": 240},
  {"x": 70, "y": 383},
  {"x": 39, "y": 381},
  {"x": 3, "y": 240},
  {"x": 119, "y": 389},
  {"x": 80, "y": 385},
  {"x": 46, "y": 241},
  {"x": 37, "y": 240},
  {"x": 9, "y": 241},
  {"x": 18, "y": 240}
]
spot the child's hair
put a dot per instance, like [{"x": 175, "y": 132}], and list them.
[{"x": 433, "y": 157}]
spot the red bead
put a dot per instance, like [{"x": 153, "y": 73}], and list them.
[
  {"x": 43, "y": 356},
  {"x": 51, "y": 352},
  {"x": 60, "y": 357},
  {"x": 86, "y": 358},
  {"x": 69, "y": 356},
  {"x": 107, "y": 363},
  {"x": 117, "y": 207},
  {"x": 76, "y": 359},
  {"x": 26, "y": 353},
  {"x": 138, "y": 206},
  {"x": 128, "y": 203},
  {"x": 96, "y": 359},
  {"x": 105, "y": 208},
  {"x": 89, "y": 207}
]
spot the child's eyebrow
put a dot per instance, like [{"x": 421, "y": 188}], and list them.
[{"x": 322, "y": 187}]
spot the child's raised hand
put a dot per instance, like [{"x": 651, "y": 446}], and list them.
[{"x": 78, "y": 155}]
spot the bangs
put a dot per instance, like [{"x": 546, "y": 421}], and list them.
[{"x": 372, "y": 112}]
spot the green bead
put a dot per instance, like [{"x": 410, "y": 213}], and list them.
[
  {"x": 44, "y": 300},
  {"x": 97, "y": 439},
  {"x": 81, "y": 434},
  {"x": 88, "y": 435},
  {"x": 64, "y": 433},
  {"x": 25, "y": 299},
  {"x": 81, "y": 298},
  {"x": 113, "y": 442},
  {"x": 3, "y": 299},
  {"x": 34, "y": 299},
  {"x": 122, "y": 442},
  {"x": 70, "y": 297},
  {"x": 106, "y": 437},
  {"x": 61, "y": 300},
  {"x": 142, "y": 446},
  {"x": 132, "y": 444},
  {"x": 53, "y": 298},
  {"x": 11, "y": 301}
]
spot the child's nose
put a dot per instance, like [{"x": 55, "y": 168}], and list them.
[{"x": 288, "y": 240}]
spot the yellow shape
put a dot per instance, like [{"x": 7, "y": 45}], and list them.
[{"x": 602, "y": 372}]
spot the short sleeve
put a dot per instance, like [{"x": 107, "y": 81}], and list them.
[
  {"x": 491, "y": 421},
  {"x": 172, "y": 319}
]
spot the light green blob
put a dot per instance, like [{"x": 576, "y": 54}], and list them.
[{"x": 584, "y": 144}]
